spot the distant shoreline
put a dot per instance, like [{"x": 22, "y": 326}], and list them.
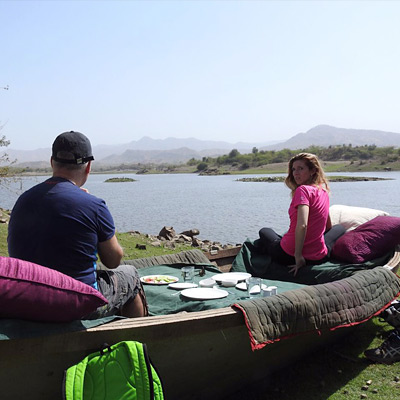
[
  {"x": 272, "y": 169},
  {"x": 330, "y": 178}
]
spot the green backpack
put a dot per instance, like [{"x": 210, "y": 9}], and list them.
[{"x": 122, "y": 371}]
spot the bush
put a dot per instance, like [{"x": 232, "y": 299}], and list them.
[{"x": 202, "y": 166}]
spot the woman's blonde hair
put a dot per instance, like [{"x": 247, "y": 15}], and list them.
[{"x": 312, "y": 162}]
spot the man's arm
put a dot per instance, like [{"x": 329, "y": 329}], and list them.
[{"x": 110, "y": 252}]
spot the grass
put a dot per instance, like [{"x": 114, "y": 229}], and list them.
[
  {"x": 128, "y": 241},
  {"x": 274, "y": 168},
  {"x": 3, "y": 234},
  {"x": 336, "y": 372}
]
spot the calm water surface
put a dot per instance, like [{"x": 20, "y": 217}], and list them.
[{"x": 220, "y": 207}]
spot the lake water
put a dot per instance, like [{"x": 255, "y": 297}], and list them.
[{"x": 221, "y": 208}]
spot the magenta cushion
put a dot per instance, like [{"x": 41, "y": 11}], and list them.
[
  {"x": 370, "y": 240},
  {"x": 33, "y": 292}
]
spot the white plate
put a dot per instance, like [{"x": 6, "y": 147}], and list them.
[
  {"x": 243, "y": 286},
  {"x": 159, "y": 279},
  {"x": 182, "y": 285},
  {"x": 238, "y": 276},
  {"x": 204, "y": 293}
]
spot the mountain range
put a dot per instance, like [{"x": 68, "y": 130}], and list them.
[
  {"x": 326, "y": 135},
  {"x": 175, "y": 150}
]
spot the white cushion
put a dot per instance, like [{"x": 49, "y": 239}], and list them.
[{"x": 351, "y": 217}]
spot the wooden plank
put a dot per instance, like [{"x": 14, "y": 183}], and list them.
[
  {"x": 223, "y": 258},
  {"x": 225, "y": 253}
]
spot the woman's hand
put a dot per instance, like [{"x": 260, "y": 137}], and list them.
[{"x": 300, "y": 262}]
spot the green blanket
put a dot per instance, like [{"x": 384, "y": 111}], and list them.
[
  {"x": 164, "y": 300},
  {"x": 252, "y": 259},
  {"x": 345, "y": 302}
]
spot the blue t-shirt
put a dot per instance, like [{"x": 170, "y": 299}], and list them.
[{"x": 58, "y": 225}]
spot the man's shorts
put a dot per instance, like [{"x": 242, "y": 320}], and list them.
[{"x": 118, "y": 286}]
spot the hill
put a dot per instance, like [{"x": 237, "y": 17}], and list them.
[
  {"x": 170, "y": 150},
  {"x": 326, "y": 135},
  {"x": 175, "y": 150}
]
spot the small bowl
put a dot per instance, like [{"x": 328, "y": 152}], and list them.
[
  {"x": 228, "y": 282},
  {"x": 208, "y": 283}
]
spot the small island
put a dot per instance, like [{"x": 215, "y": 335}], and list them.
[{"x": 120, "y": 180}]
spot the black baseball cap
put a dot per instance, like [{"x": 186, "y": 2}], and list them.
[{"x": 72, "y": 148}]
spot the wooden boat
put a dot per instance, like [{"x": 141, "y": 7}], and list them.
[{"x": 199, "y": 355}]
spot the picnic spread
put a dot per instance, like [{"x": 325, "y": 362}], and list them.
[{"x": 162, "y": 299}]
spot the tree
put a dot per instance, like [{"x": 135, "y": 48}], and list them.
[
  {"x": 202, "y": 166},
  {"x": 4, "y": 161},
  {"x": 233, "y": 153}
]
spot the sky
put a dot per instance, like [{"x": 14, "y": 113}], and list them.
[{"x": 253, "y": 71}]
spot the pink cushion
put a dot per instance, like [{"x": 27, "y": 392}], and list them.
[
  {"x": 370, "y": 240},
  {"x": 31, "y": 291}
]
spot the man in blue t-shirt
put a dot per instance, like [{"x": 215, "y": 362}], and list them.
[{"x": 59, "y": 225}]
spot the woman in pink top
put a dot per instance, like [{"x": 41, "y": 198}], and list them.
[{"x": 307, "y": 241}]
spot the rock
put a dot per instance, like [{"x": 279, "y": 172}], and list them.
[
  {"x": 141, "y": 246},
  {"x": 363, "y": 396},
  {"x": 368, "y": 382},
  {"x": 196, "y": 242},
  {"x": 135, "y": 233},
  {"x": 168, "y": 238},
  {"x": 191, "y": 232},
  {"x": 169, "y": 245},
  {"x": 4, "y": 216},
  {"x": 167, "y": 232},
  {"x": 186, "y": 238},
  {"x": 365, "y": 387},
  {"x": 397, "y": 379}
]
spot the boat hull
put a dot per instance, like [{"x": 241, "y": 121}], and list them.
[{"x": 201, "y": 355}]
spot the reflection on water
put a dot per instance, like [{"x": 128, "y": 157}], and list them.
[{"x": 220, "y": 207}]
